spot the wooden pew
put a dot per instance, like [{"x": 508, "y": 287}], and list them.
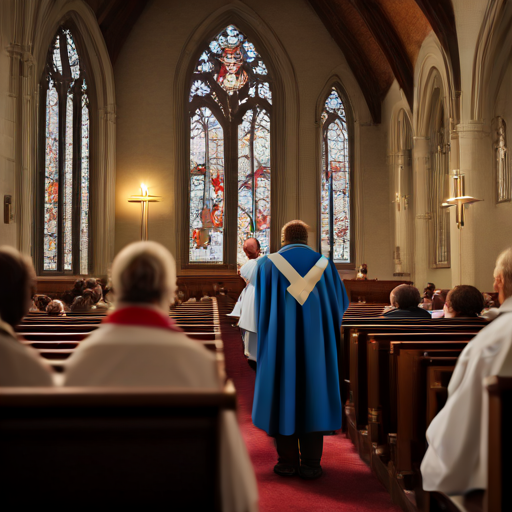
[
  {"x": 56, "y": 337},
  {"x": 497, "y": 497},
  {"x": 138, "y": 448},
  {"x": 353, "y": 367}
]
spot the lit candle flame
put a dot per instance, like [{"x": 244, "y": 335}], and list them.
[{"x": 144, "y": 189}]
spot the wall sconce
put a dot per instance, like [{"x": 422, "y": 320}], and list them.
[
  {"x": 144, "y": 199},
  {"x": 460, "y": 199}
]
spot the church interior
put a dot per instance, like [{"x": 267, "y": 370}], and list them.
[{"x": 379, "y": 123}]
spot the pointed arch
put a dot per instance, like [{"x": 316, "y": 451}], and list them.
[
  {"x": 436, "y": 125},
  {"x": 283, "y": 118},
  {"x": 400, "y": 162},
  {"x": 37, "y": 35},
  {"x": 337, "y": 197}
]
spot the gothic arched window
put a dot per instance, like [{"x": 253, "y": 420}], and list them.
[
  {"x": 335, "y": 186},
  {"x": 230, "y": 106},
  {"x": 64, "y": 176}
]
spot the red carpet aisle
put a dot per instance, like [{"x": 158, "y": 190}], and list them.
[{"x": 347, "y": 484}]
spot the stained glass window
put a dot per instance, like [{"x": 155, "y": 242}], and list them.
[
  {"x": 206, "y": 188},
  {"x": 66, "y": 159},
  {"x": 335, "y": 184},
  {"x": 230, "y": 105}
]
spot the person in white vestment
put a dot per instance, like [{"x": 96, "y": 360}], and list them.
[
  {"x": 247, "y": 320},
  {"x": 19, "y": 365},
  {"x": 456, "y": 458},
  {"x": 139, "y": 345}
]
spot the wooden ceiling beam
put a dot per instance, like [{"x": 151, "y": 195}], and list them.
[
  {"x": 390, "y": 43},
  {"x": 441, "y": 17},
  {"x": 356, "y": 58}
]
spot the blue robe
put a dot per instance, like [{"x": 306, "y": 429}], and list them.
[{"x": 297, "y": 383}]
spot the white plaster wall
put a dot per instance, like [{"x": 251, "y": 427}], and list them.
[
  {"x": 144, "y": 77},
  {"x": 7, "y": 125}
]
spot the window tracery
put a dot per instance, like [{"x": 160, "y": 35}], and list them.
[
  {"x": 335, "y": 184},
  {"x": 65, "y": 203},
  {"x": 230, "y": 105}
]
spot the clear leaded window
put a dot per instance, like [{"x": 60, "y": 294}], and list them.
[
  {"x": 335, "y": 185},
  {"x": 65, "y": 202},
  {"x": 230, "y": 106}
]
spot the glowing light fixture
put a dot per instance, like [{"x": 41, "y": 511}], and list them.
[
  {"x": 460, "y": 198},
  {"x": 144, "y": 199}
]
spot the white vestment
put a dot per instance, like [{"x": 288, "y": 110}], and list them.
[
  {"x": 124, "y": 355},
  {"x": 20, "y": 365},
  {"x": 247, "y": 313},
  {"x": 456, "y": 459}
]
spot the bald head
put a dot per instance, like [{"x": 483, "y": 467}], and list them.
[
  {"x": 294, "y": 232},
  {"x": 251, "y": 248}
]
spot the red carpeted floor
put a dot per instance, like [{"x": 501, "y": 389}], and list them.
[{"x": 347, "y": 484}]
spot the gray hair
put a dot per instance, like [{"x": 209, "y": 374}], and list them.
[
  {"x": 504, "y": 267},
  {"x": 144, "y": 272}
]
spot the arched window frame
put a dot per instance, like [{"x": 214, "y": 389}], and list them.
[
  {"x": 283, "y": 119},
  {"x": 61, "y": 86},
  {"x": 438, "y": 185},
  {"x": 229, "y": 110},
  {"x": 349, "y": 116}
]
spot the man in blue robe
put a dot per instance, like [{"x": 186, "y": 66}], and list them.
[{"x": 300, "y": 301}]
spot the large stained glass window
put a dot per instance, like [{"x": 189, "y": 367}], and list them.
[
  {"x": 230, "y": 121},
  {"x": 66, "y": 160},
  {"x": 335, "y": 185}
]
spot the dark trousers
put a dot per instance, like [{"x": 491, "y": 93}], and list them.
[{"x": 306, "y": 447}]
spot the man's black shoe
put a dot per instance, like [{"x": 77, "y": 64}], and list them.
[
  {"x": 309, "y": 473},
  {"x": 285, "y": 469}
]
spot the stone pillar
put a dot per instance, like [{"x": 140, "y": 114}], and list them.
[
  {"x": 401, "y": 200},
  {"x": 474, "y": 146},
  {"x": 422, "y": 215}
]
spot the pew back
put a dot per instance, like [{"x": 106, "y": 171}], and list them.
[{"x": 111, "y": 447}]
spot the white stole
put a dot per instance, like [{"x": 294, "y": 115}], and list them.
[{"x": 300, "y": 287}]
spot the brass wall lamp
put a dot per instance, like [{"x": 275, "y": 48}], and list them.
[{"x": 460, "y": 198}]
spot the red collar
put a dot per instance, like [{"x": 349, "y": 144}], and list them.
[{"x": 143, "y": 317}]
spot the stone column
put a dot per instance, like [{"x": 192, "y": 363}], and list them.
[
  {"x": 474, "y": 147},
  {"x": 422, "y": 215}
]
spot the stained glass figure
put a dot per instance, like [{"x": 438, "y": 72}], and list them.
[
  {"x": 254, "y": 180},
  {"x": 231, "y": 92},
  {"x": 206, "y": 188},
  {"x": 84, "y": 187},
  {"x": 51, "y": 184},
  {"x": 66, "y": 167},
  {"x": 68, "y": 187},
  {"x": 335, "y": 183}
]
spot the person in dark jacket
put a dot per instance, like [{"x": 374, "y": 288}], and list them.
[{"x": 405, "y": 299}]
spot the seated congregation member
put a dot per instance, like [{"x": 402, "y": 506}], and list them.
[
  {"x": 140, "y": 333},
  {"x": 428, "y": 293},
  {"x": 83, "y": 303},
  {"x": 19, "y": 365},
  {"x": 300, "y": 301},
  {"x": 56, "y": 308},
  {"x": 41, "y": 302},
  {"x": 405, "y": 299},
  {"x": 456, "y": 459},
  {"x": 463, "y": 301},
  {"x": 139, "y": 345}
]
